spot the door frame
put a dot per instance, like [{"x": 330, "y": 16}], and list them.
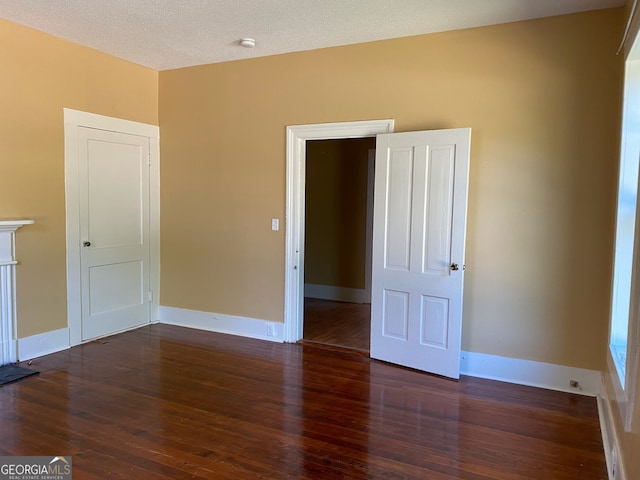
[
  {"x": 297, "y": 136},
  {"x": 73, "y": 120},
  {"x": 368, "y": 254}
]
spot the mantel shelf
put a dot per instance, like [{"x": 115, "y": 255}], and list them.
[{"x": 13, "y": 225}]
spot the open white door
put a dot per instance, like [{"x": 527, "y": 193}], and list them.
[{"x": 419, "y": 229}]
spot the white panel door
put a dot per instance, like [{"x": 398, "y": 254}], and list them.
[
  {"x": 418, "y": 249},
  {"x": 114, "y": 231}
]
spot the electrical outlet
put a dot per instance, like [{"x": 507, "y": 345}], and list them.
[{"x": 271, "y": 330}]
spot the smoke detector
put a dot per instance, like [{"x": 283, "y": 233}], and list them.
[{"x": 248, "y": 42}]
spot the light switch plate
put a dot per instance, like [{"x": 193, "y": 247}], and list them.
[{"x": 275, "y": 224}]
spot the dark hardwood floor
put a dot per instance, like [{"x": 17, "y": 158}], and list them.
[
  {"x": 164, "y": 402},
  {"x": 337, "y": 323}
]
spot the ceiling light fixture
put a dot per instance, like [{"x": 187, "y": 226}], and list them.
[{"x": 248, "y": 43}]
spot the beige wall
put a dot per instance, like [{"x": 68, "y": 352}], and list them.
[
  {"x": 336, "y": 212},
  {"x": 39, "y": 76},
  {"x": 542, "y": 98}
]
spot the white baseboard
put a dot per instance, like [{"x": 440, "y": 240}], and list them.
[
  {"x": 336, "y": 294},
  {"x": 217, "y": 322},
  {"x": 526, "y": 372},
  {"x": 615, "y": 467},
  {"x": 43, "y": 344}
]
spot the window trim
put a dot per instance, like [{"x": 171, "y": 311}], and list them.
[{"x": 625, "y": 388}]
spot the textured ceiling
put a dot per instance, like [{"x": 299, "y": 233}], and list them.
[{"x": 166, "y": 34}]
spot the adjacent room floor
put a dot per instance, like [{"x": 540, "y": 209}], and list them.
[
  {"x": 337, "y": 323},
  {"x": 165, "y": 402}
]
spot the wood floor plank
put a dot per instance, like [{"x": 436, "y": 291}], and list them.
[{"x": 168, "y": 402}]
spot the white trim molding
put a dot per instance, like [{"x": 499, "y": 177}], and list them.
[
  {"x": 534, "y": 374},
  {"x": 43, "y": 344},
  {"x": 8, "y": 316},
  {"x": 622, "y": 395},
  {"x": 615, "y": 466},
  {"x": 221, "y": 323}
]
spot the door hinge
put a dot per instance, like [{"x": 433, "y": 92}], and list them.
[
  {"x": 149, "y": 164},
  {"x": 150, "y": 296}
]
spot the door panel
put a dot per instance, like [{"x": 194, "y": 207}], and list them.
[
  {"x": 115, "y": 286},
  {"x": 398, "y": 220},
  {"x": 114, "y": 191},
  {"x": 434, "y": 321},
  {"x": 439, "y": 181},
  {"x": 114, "y": 228},
  {"x": 396, "y": 314},
  {"x": 419, "y": 231}
]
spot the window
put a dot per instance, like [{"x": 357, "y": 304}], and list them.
[
  {"x": 626, "y": 219},
  {"x": 626, "y": 278}
]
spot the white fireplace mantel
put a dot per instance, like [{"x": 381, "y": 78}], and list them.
[
  {"x": 8, "y": 334},
  {"x": 7, "y": 240},
  {"x": 14, "y": 224}
]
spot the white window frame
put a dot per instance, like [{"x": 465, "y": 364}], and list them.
[{"x": 624, "y": 376}]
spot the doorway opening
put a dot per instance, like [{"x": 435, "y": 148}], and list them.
[
  {"x": 297, "y": 138},
  {"x": 420, "y": 206},
  {"x": 338, "y": 234}
]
